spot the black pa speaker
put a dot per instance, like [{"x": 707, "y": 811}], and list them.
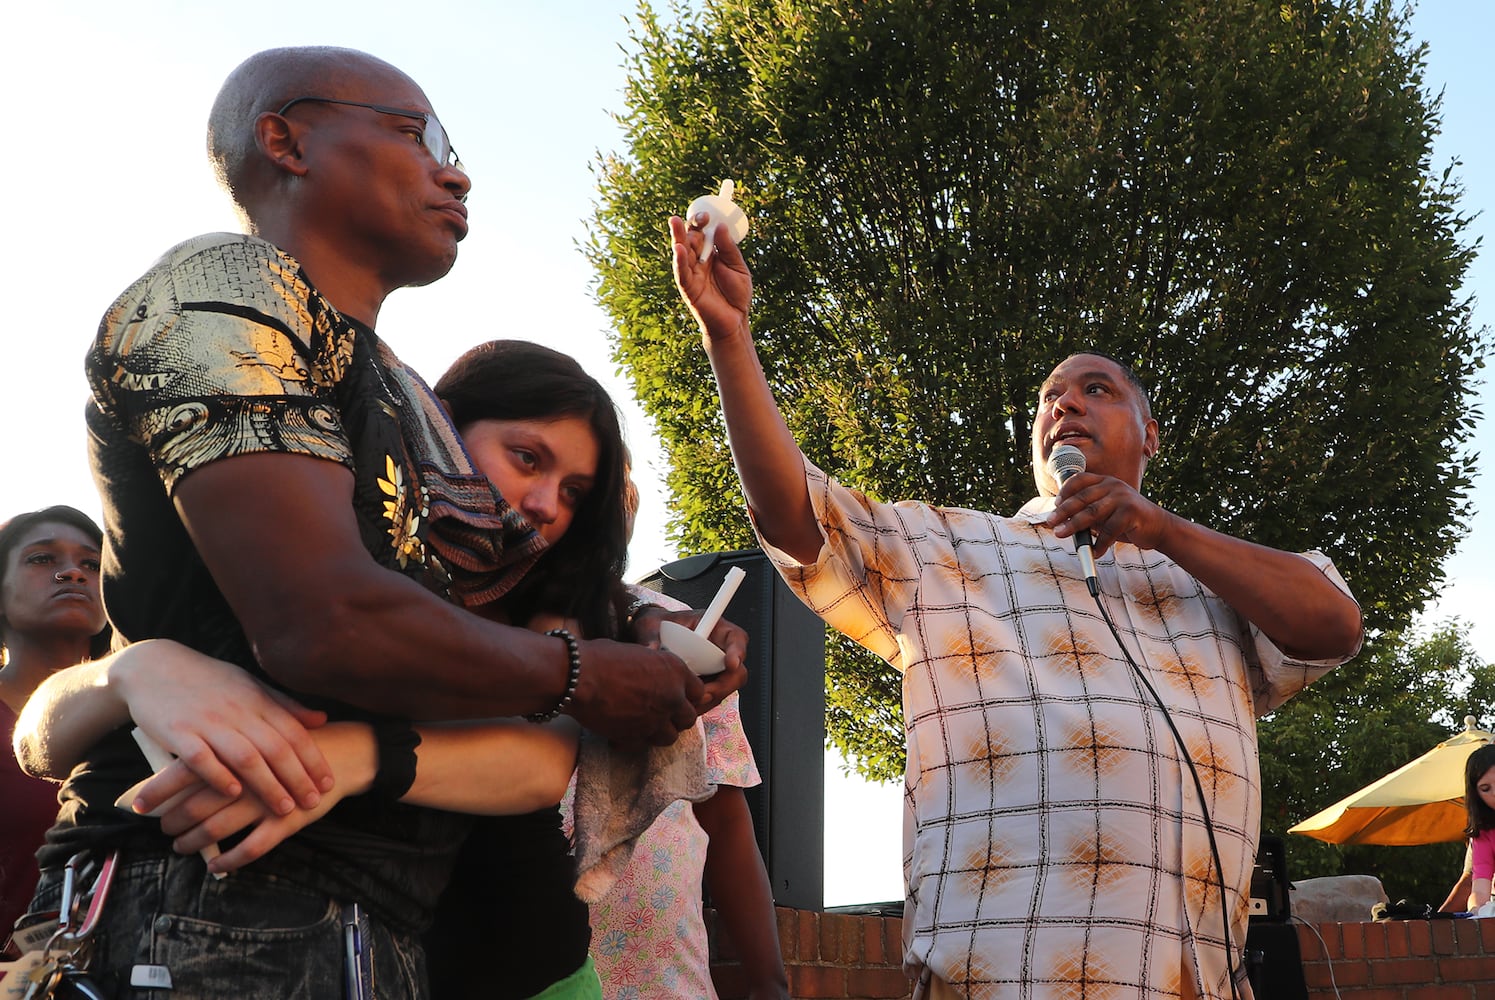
[
  {"x": 1269, "y": 885},
  {"x": 783, "y": 712},
  {"x": 1274, "y": 962}
]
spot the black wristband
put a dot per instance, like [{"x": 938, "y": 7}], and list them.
[
  {"x": 395, "y": 741},
  {"x": 573, "y": 676}
]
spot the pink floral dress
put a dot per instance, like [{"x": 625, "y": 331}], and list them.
[{"x": 648, "y": 933}]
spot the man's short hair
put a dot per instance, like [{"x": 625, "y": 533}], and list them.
[{"x": 1126, "y": 370}]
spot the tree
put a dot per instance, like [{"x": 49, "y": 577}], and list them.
[
  {"x": 1406, "y": 694},
  {"x": 948, "y": 197}
]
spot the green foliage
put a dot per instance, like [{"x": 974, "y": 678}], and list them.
[
  {"x": 1396, "y": 701},
  {"x": 950, "y": 196}
]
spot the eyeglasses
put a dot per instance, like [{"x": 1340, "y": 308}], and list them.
[{"x": 433, "y": 137}]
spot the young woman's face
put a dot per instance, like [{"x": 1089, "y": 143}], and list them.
[
  {"x": 1486, "y": 787},
  {"x": 543, "y": 468},
  {"x": 52, "y": 583}
]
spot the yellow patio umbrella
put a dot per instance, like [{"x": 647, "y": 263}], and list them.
[{"x": 1420, "y": 803}]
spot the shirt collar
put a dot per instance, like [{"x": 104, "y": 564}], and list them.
[{"x": 1037, "y": 509}]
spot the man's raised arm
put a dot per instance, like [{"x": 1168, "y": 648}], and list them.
[{"x": 769, "y": 462}]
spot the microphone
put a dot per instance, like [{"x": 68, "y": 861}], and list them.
[{"x": 1065, "y": 461}]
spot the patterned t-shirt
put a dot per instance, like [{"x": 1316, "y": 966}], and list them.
[
  {"x": 1054, "y": 841},
  {"x": 224, "y": 348}
]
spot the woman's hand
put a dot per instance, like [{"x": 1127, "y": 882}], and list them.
[
  {"x": 729, "y": 638},
  {"x": 225, "y": 727},
  {"x": 198, "y": 815},
  {"x": 536, "y": 761}
]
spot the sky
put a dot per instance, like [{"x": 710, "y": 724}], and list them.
[{"x": 107, "y": 104}]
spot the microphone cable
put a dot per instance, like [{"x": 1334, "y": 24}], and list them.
[{"x": 1209, "y": 826}]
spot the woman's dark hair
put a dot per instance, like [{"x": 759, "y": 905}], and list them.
[
  {"x": 1481, "y": 816},
  {"x": 581, "y": 575},
  {"x": 11, "y": 532}
]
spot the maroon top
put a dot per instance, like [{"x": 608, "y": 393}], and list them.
[{"x": 28, "y": 806}]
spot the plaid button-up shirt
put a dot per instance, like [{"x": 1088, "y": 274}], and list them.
[{"x": 1054, "y": 842}]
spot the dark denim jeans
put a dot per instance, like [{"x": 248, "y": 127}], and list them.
[{"x": 247, "y": 936}]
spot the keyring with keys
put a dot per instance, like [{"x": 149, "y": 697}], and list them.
[{"x": 60, "y": 973}]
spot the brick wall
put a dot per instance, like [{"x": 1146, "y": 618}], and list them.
[
  {"x": 1400, "y": 960},
  {"x": 827, "y": 956},
  {"x": 839, "y": 956}
]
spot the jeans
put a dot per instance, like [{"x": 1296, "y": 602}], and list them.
[{"x": 247, "y": 936}]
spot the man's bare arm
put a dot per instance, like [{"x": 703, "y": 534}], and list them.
[
  {"x": 769, "y": 462},
  {"x": 279, "y": 536},
  {"x": 1281, "y": 593}
]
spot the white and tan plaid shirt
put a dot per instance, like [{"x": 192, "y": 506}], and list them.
[{"x": 1054, "y": 844}]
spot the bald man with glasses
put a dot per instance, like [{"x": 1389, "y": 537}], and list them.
[{"x": 281, "y": 492}]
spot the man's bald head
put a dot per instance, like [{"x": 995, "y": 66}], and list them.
[{"x": 265, "y": 82}]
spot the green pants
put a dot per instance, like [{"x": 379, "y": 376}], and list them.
[{"x": 582, "y": 984}]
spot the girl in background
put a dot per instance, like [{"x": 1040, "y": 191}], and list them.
[
  {"x": 649, "y": 932},
  {"x": 1479, "y": 799}
]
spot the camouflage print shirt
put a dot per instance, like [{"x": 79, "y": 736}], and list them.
[{"x": 224, "y": 348}]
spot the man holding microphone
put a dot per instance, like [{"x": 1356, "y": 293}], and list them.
[{"x": 1077, "y": 800}]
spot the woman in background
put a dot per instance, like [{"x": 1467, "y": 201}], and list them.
[{"x": 51, "y": 617}]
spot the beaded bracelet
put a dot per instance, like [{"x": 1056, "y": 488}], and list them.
[
  {"x": 573, "y": 676},
  {"x": 638, "y": 607}
]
